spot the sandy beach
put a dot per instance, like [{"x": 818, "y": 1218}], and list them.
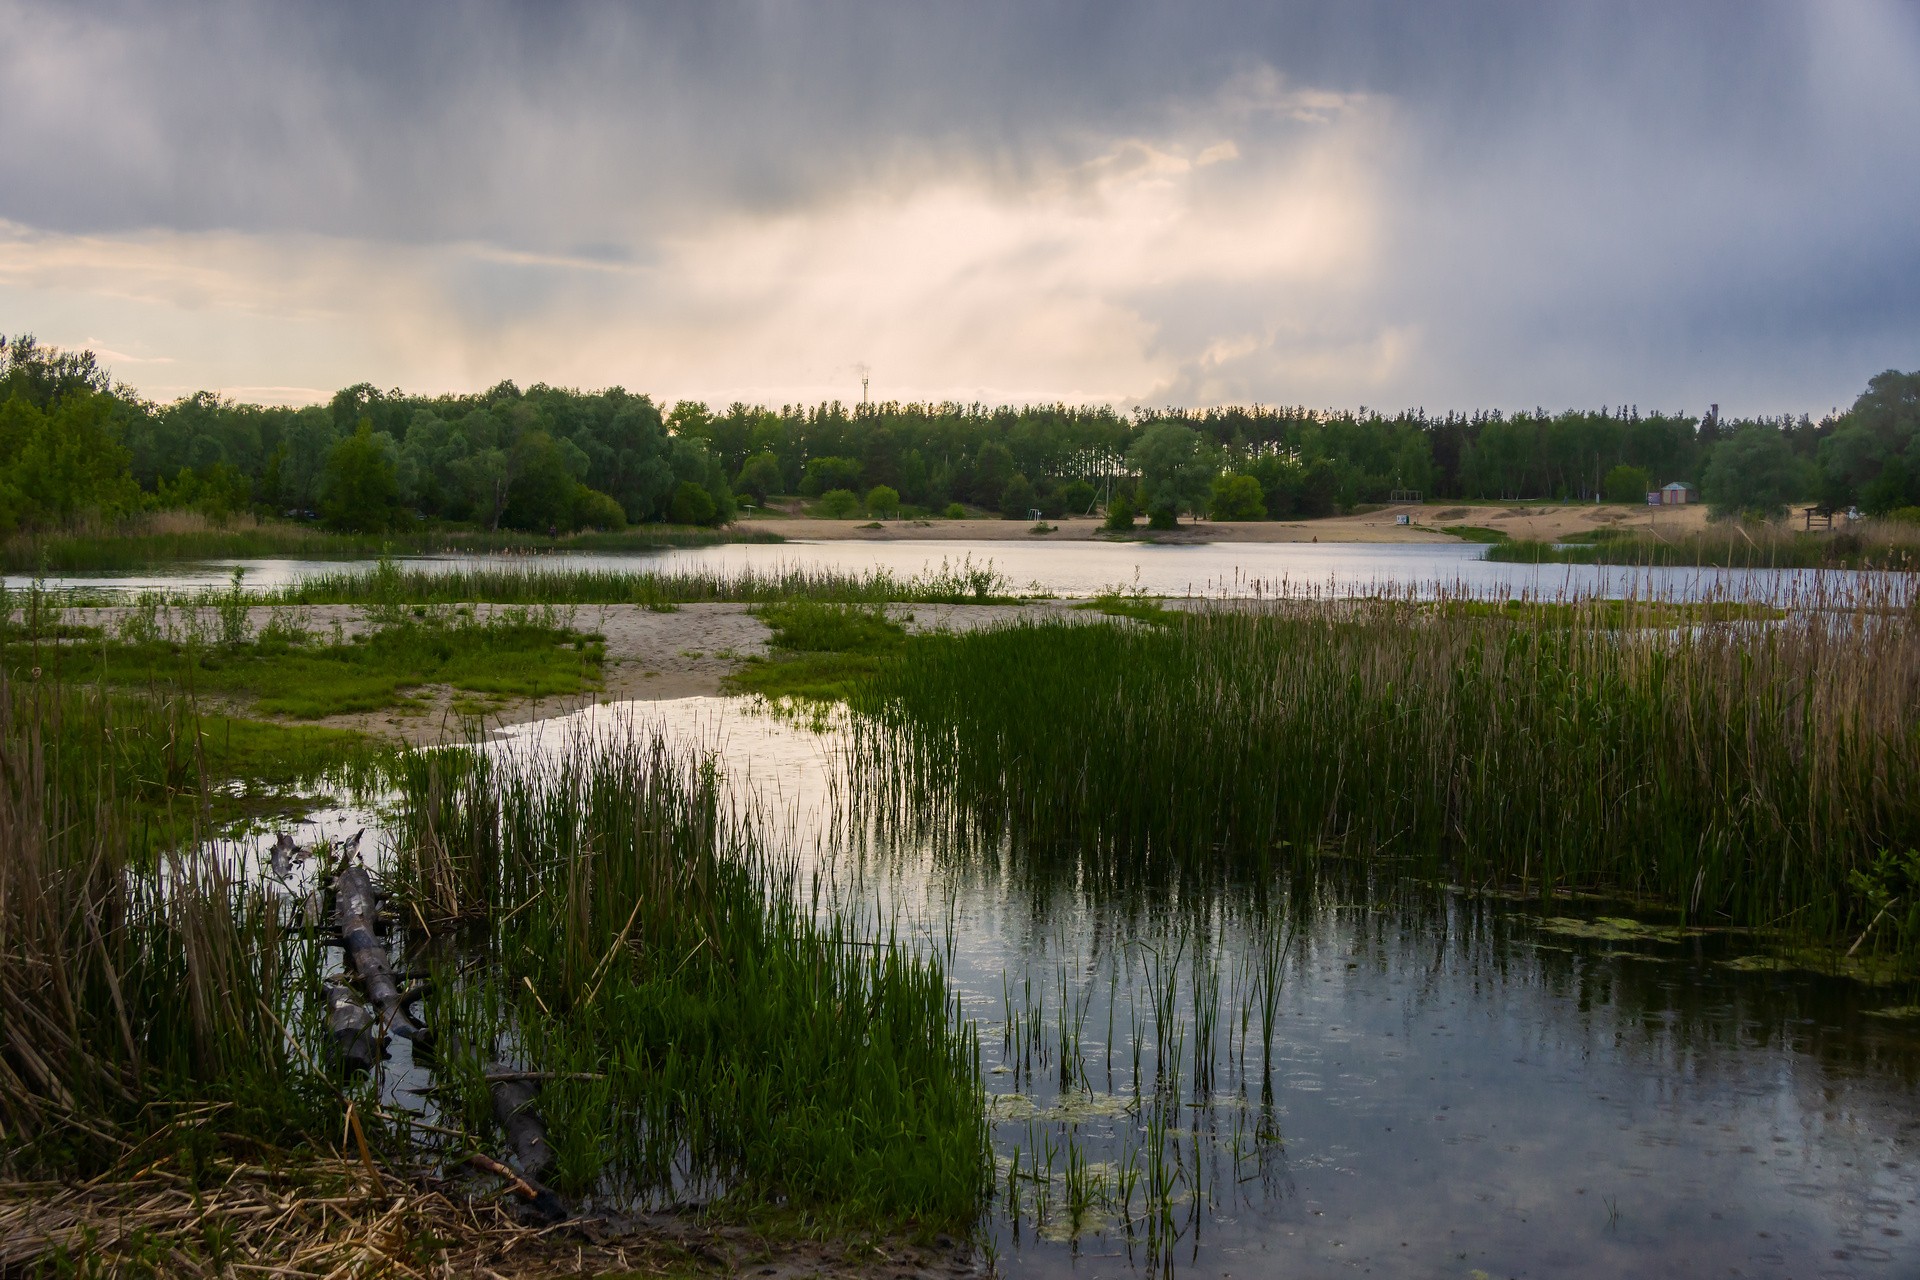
[{"x": 1425, "y": 524}]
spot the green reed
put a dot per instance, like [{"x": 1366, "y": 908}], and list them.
[
  {"x": 1874, "y": 544},
  {"x": 1750, "y": 772},
  {"x": 722, "y": 1037},
  {"x": 543, "y": 580},
  {"x": 139, "y": 976}
]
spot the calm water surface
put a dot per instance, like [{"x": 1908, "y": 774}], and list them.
[
  {"x": 1072, "y": 569},
  {"x": 1451, "y": 1086}
]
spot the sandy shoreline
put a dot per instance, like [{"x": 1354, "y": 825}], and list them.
[{"x": 1425, "y": 524}]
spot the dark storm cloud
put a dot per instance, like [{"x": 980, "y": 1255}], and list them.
[
  {"x": 1570, "y": 202},
  {"x": 528, "y": 121}
]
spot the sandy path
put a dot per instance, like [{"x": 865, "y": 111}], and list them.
[{"x": 1520, "y": 520}]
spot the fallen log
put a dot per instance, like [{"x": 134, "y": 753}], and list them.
[
  {"x": 526, "y": 1131},
  {"x": 355, "y": 1038},
  {"x": 357, "y": 909}
]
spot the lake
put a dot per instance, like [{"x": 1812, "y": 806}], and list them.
[{"x": 1079, "y": 569}]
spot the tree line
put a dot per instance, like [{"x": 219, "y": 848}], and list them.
[{"x": 74, "y": 443}]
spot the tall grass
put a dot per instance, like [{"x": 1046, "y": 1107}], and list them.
[
  {"x": 132, "y": 988},
  {"x": 549, "y": 583},
  {"x": 722, "y": 1033},
  {"x": 1754, "y": 773},
  {"x": 167, "y": 536},
  {"x": 1876, "y": 544}
]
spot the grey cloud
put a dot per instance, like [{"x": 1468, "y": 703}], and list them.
[{"x": 1582, "y": 201}]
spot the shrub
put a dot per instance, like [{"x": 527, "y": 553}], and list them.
[
  {"x": 691, "y": 505},
  {"x": 1236, "y": 497},
  {"x": 1076, "y": 497},
  {"x": 837, "y": 504},
  {"x": 1120, "y": 513},
  {"x": 593, "y": 509},
  {"x": 883, "y": 501},
  {"x": 955, "y": 511},
  {"x": 1163, "y": 516},
  {"x": 824, "y": 475}
]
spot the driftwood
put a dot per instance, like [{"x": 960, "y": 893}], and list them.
[
  {"x": 285, "y": 854},
  {"x": 357, "y": 909},
  {"x": 355, "y": 1037}
]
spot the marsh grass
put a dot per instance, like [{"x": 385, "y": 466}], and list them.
[
  {"x": 1745, "y": 772},
  {"x": 820, "y": 652},
  {"x": 1886, "y": 545},
  {"x": 727, "y": 1033},
  {"x": 553, "y": 581},
  {"x": 134, "y": 972}
]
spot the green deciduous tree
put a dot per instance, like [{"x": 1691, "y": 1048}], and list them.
[
  {"x": 692, "y": 504},
  {"x": 1176, "y": 467},
  {"x": 1753, "y": 474},
  {"x": 361, "y": 492},
  {"x": 61, "y": 461},
  {"x": 1626, "y": 484},
  {"x": 837, "y": 504},
  {"x": 760, "y": 477},
  {"x": 1016, "y": 499},
  {"x": 1236, "y": 497}
]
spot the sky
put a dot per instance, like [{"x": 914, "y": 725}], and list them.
[{"x": 1396, "y": 205}]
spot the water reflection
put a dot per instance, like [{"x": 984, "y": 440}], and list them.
[{"x": 1369, "y": 1071}]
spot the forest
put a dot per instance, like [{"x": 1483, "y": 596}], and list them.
[{"x": 77, "y": 444}]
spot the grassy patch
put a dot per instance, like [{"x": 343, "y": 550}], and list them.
[
  {"x": 386, "y": 668},
  {"x": 821, "y": 652},
  {"x": 1139, "y": 608},
  {"x": 1474, "y": 533}
]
